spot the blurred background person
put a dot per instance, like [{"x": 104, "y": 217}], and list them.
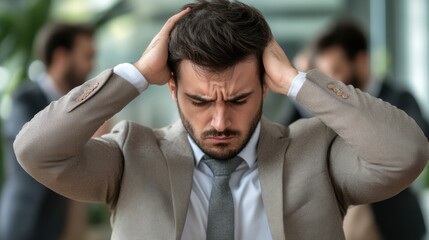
[
  {"x": 342, "y": 53},
  {"x": 28, "y": 210},
  {"x": 398, "y": 32}
]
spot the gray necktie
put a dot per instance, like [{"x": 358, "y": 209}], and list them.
[{"x": 220, "y": 225}]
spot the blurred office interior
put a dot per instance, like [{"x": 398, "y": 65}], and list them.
[{"x": 398, "y": 31}]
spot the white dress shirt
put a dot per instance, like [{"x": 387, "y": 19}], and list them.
[{"x": 251, "y": 220}]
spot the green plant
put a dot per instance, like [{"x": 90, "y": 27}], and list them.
[{"x": 19, "y": 23}]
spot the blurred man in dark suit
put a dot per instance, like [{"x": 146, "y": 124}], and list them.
[
  {"x": 28, "y": 210},
  {"x": 342, "y": 53}
]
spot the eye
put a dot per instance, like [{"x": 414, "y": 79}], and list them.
[
  {"x": 238, "y": 101},
  {"x": 200, "y": 103}
]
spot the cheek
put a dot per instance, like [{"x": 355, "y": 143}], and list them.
[
  {"x": 345, "y": 75},
  {"x": 197, "y": 117},
  {"x": 249, "y": 114},
  {"x": 242, "y": 118},
  {"x": 84, "y": 63}
]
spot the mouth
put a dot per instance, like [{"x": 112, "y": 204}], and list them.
[{"x": 220, "y": 139}]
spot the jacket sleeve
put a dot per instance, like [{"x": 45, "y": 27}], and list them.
[
  {"x": 56, "y": 148},
  {"x": 378, "y": 151}
]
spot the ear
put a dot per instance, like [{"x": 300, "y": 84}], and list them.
[{"x": 172, "y": 88}]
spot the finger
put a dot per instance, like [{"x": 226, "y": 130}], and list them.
[
  {"x": 165, "y": 30},
  {"x": 276, "y": 50},
  {"x": 269, "y": 82}
]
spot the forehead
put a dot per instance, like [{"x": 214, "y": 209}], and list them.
[
  {"x": 243, "y": 73},
  {"x": 331, "y": 57},
  {"x": 83, "y": 47},
  {"x": 332, "y": 53},
  {"x": 83, "y": 41}
]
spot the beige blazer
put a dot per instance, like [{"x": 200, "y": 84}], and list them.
[{"x": 359, "y": 149}]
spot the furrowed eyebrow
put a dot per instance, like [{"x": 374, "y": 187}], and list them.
[
  {"x": 239, "y": 97},
  {"x": 198, "y": 98},
  {"x": 201, "y": 99}
]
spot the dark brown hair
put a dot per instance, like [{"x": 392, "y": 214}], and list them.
[
  {"x": 345, "y": 34},
  {"x": 58, "y": 35},
  {"x": 217, "y": 35}
]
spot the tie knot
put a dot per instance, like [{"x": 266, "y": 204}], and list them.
[{"x": 222, "y": 167}]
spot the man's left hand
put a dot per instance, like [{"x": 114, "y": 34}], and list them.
[{"x": 279, "y": 72}]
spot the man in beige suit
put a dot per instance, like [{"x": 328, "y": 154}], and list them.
[{"x": 219, "y": 60}]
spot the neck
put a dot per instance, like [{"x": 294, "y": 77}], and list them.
[{"x": 58, "y": 80}]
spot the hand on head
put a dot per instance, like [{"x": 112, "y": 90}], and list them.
[
  {"x": 279, "y": 72},
  {"x": 153, "y": 62}
]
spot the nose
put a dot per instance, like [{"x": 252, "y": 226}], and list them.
[{"x": 220, "y": 120}]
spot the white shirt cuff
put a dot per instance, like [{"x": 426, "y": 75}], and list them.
[
  {"x": 296, "y": 85},
  {"x": 130, "y": 73}
]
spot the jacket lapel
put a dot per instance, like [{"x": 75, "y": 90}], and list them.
[
  {"x": 271, "y": 153},
  {"x": 180, "y": 163}
]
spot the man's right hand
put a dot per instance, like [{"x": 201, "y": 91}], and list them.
[
  {"x": 153, "y": 63},
  {"x": 279, "y": 72}
]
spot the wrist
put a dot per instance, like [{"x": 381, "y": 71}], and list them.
[
  {"x": 140, "y": 68},
  {"x": 296, "y": 85},
  {"x": 132, "y": 74},
  {"x": 289, "y": 75}
]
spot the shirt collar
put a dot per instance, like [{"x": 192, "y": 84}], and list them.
[
  {"x": 248, "y": 153},
  {"x": 46, "y": 83}
]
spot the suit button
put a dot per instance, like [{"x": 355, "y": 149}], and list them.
[
  {"x": 95, "y": 85},
  {"x": 331, "y": 86},
  {"x": 79, "y": 99},
  {"x": 82, "y": 97}
]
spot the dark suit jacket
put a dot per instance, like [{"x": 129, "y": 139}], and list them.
[
  {"x": 309, "y": 173},
  {"x": 28, "y": 210},
  {"x": 399, "y": 217}
]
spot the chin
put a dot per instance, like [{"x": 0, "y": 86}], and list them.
[{"x": 221, "y": 151}]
